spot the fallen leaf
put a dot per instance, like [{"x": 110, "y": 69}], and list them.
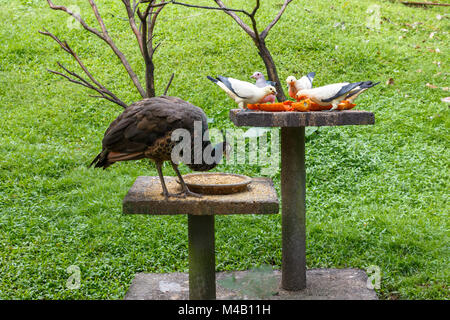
[
  {"x": 390, "y": 81},
  {"x": 431, "y": 86},
  {"x": 419, "y": 70},
  {"x": 438, "y": 63},
  {"x": 446, "y": 88}
]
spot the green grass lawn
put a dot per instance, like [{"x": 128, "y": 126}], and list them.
[{"x": 376, "y": 195}]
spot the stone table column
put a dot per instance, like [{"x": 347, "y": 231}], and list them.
[
  {"x": 145, "y": 197},
  {"x": 293, "y": 188}
]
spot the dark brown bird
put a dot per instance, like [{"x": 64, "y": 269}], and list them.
[{"x": 144, "y": 130}]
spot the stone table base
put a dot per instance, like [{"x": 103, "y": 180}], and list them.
[{"x": 322, "y": 284}]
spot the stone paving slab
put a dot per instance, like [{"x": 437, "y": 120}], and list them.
[
  {"x": 322, "y": 284},
  {"x": 145, "y": 197}
]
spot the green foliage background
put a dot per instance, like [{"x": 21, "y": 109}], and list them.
[{"x": 376, "y": 195}]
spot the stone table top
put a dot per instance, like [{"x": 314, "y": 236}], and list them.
[
  {"x": 301, "y": 119},
  {"x": 145, "y": 197}
]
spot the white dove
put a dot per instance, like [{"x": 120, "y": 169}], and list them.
[
  {"x": 335, "y": 93},
  {"x": 243, "y": 92},
  {"x": 303, "y": 83},
  {"x": 261, "y": 80}
]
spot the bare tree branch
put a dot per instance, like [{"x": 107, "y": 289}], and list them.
[
  {"x": 76, "y": 17},
  {"x": 65, "y": 46},
  {"x": 252, "y": 31},
  {"x": 105, "y": 37},
  {"x": 154, "y": 49},
  {"x": 274, "y": 22},
  {"x": 147, "y": 49},
  {"x": 161, "y": 4},
  {"x": 131, "y": 12},
  {"x": 153, "y": 20},
  {"x": 236, "y": 18},
  {"x": 222, "y": 7},
  {"x": 83, "y": 82},
  {"x": 168, "y": 84},
  {"x": 259, "y": 40},
  {"x": 99, "y": 18}
]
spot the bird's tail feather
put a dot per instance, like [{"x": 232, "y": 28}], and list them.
[
  {"x": 368, "y": 84},
  {"x": 99, "y": 160},
  {"x": 311, "y": 75},
  {"x": 212, "y": 79},
  {"x": 106, "y": 158}
]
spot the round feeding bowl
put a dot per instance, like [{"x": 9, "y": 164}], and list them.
[{"x": 216, "y": 183}]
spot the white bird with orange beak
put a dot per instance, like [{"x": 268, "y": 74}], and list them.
[
  {"x": 334, "y": 94},
  {"x": 261, "y": 82},
  {"x": 303, "y": 83},
  {"x": 243, "y": 92}
]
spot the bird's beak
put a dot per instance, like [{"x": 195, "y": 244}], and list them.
[{"x": 253, "y": 76}]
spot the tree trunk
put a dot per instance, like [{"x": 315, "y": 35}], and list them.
[
  {"x": 150, "y": 75},
  {"x": 271, "y": 68}
]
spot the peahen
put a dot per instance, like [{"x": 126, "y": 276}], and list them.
[{"x": 144, "y": 130}]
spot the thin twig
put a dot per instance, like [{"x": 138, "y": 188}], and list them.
[
  {"x": 275, "y": 20},
  {"x": 252, "y": 31},
  {"x": 131, "y": 13},
  {"x": 147, "y": 49},
  {"x": 83, "y": 82},
  {"x": 168, "y": 85},
  {"x": 236, "y": 18},
  {"x": 210, "y": 8},
  {"x": 161, "y": 4},
  {"x": 105, "y": 37},
  {"x": 98, "y": 86}
]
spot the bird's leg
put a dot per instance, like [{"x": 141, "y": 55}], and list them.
[
  {"x": 335, "y": 105},
  {"x": 243, "y": 107},
  {"x": 165, "y": 192},
  {"x": 185, "y": 190}
]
